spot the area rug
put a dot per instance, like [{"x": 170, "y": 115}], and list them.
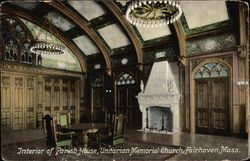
[{"x": 129, "y": 151}]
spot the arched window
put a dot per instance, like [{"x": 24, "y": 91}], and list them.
[
  {"x": 125, "y": 79},
  {"x": 11, "y": 50},
  {"x": 212, "y": 69},
  {"x": 26, "y": 55},
  {"x": 16, "y": 39}
]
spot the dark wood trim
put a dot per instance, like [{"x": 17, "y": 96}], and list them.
[
  {"x": 75, "y": 50},
  {"x": 119, "y": 15},
  {"x": 85, "y": 26}
]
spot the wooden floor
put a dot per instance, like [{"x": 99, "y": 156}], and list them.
[{"x": 230, "y": 148}]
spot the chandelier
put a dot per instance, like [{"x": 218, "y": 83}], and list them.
[
  {"x": 146, "y": 13},
  {"x": 47, "y": 46}
]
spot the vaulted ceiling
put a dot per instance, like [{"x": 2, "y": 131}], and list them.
[{"x": 99, "y": 28}]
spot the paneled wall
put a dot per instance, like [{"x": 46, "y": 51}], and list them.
[
  {"x": 60, "y": 95},
  {"x": 28, "y": 93},
  {"x": 18, "y": 101}
]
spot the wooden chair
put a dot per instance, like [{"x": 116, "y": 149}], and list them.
[
  {"x": 63, "y": 119},
  {"x": 116, "y": 134},
  {"x": 53, "y": 135}
]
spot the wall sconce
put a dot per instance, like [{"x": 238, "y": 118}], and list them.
[
  {"x": 108, "y": 91},
  {"x": 242, "y": 84}
]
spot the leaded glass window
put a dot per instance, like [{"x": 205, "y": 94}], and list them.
[
  {"x": 16, "y": 40},
  {"x": 11, "y": 50},
  {"x": 26, "y": 55},
  {"x": 98, "y": 82},
  {"x": 126, "y": 79},
  {"x": 212, "y": 69}
]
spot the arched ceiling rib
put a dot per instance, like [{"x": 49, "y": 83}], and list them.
[
  {"x": 81, "y": 58},
  {"x": 92, "y": 22},
  {"x": 90, "y": 31},
  {"x": 119, "y": 15}
]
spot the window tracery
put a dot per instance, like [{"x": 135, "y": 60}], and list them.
[
  {"x": 126, "y": 79},
  {"x": 212, "y": 69},
  {"x": 11, "y": 50},
  {"x": 16, "y": 40},
  {"x": 26, "y": 55}
]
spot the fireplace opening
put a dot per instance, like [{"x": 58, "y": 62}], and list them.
[{"x": 160, "y": 118}]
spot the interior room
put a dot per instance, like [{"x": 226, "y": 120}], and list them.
[{"x": 124, "y": 80}]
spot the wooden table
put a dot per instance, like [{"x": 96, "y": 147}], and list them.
[{"x": 84, "y": 129}]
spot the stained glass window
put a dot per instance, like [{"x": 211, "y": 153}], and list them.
[
  {"x": 26, "y": 55},
  {"x": 11, "y": 50},
  {"x": 16, "y": 40},
  {"x": 98, "y": 82},
  {"x": 126, "y": 79},
  {"x": 212, "y": 70}
]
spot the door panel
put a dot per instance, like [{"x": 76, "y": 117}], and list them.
[
  {"x": 202, "y": 106},
  {"x": 220, "y": 104},
  {"x": 98, "y": 111},
  {"x": 126, "y": 102},
  {"x": 212, "y": 105}
]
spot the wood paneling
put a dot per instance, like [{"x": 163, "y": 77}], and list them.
[
  {"x": 18, "y": 101},
  {"x": 60, "y": 95}
]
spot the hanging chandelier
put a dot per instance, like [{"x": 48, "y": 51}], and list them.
[
  {"x": 47, "y": 46},
  {"x": 146, "y": 13}
]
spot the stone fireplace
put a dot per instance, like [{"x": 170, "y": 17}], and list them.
[{"x": 160, "y": 101}]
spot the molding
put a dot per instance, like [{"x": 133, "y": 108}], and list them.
[
  {"x": 228, "y": 59},
  {"x": 75, "y": 50},
  {"x": 195, "y": 64},
  {"x": 181, "y": 41},
  {"x": 136, "y": 41},
  {"x": 85, "y": 26},
  {"x": 37, "y": 70}
]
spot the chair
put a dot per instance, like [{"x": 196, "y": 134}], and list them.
[
  {"x": 63, "y": 119},
  {"x": 116, "y": 134},
  {"x": 53, "y": 135}
]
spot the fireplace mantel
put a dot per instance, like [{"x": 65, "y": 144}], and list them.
[
  {"x": 162, "y": 90},
  {"x": 158, "y": 99}
]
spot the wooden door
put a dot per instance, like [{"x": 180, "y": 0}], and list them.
[
  {"x": 212, "y": 105},
  {"x": 127, "y": 103},
  {"x": 98, "y": 113}
]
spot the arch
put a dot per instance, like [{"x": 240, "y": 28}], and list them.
[
  {"x": 81, "y": 57},
  {"x": 125, "y": 78},
  {"x": 130, "y": 31},
  {"x": 212, "y": 69},
  {"x": 181, "y": 41},
  {"x": 83, "y": 25},
  {"x": 26, "y": 55},
  {"x": 192, "y": 88},
  {"x": 11, "y": 49},
  {"x": 211, "y": 60}
]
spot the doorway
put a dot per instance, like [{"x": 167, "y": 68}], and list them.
[
  {"x": 212, "y": 100},
  {"x": 126, "y": 101}
]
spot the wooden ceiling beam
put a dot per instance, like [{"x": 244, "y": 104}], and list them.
[
  {"x": 128, "y": 28},
  {"x": 87, "y": 29}
]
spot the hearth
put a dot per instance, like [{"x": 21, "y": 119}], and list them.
[{"x": 160, "y": 101}]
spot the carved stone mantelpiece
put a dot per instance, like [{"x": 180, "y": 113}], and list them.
[{"x": 162, "y": 90}]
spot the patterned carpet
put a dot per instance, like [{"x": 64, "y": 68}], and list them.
[{"x": 128, "y": 151}]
